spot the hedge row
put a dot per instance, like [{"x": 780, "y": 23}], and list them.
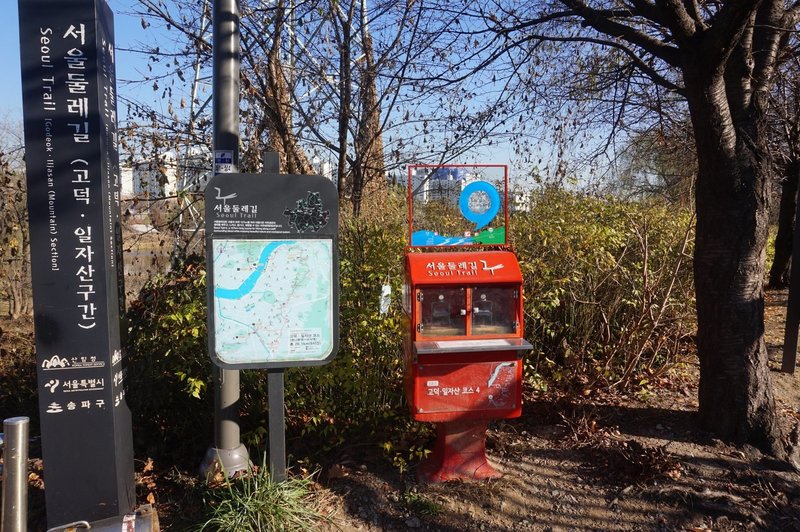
[{"x": 608, "y": 303}]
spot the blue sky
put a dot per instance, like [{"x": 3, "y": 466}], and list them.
[
  {"x": 127, "y": 28},
  {"x": 130, "y": 66},
  {"x": 10, "y": 84}
]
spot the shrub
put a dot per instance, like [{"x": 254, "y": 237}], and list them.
[
  {"x": 608, "y": 300},
  {"x": 169, "y": 370},
  {"x": 15, "y": 275},
  {"x": 608, "y": 286},
  {"x": 362, "y": 386},
  {"x": 18, "y": 390}
]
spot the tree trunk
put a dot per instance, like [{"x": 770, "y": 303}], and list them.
[
  {"x": 736, "y": 400},
  {"x": 779, "y": 272},
  {"x": 370, "y": 172},
  {"x": 345, "y": 99},
  {"x": 282, "y": 140}
]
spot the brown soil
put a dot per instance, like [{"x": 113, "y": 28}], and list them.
[{"x": 618, "y": 463}]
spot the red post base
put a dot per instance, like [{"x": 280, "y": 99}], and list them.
[{"x": 459, "y": 454}]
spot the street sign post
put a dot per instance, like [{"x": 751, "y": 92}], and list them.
[
  {"x": 72, "y": 160},
  {"x": 228, "y": 452}
]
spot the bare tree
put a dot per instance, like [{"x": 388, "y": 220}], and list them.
[
  {"x": 352, "y": 82},
  {"x": 15, "y": 275},
  {"x": 266, "y": 86},
  {"x": 784, "y": 120},
  {"x": 721, "y": 58},
  {"x": 659, "y": 161}
]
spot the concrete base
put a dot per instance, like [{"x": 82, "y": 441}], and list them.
[{"x": 228, "y": 461}]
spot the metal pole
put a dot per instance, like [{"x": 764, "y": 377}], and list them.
[
  {"x": 277, "y": 426},
  {"x": 15, "y": 475},
  {"x": 275, "y": 390},
  {"x": 226, "y": 61},
  {"x": 228, "y": 451},
  {"x": 789, "y": 361}
]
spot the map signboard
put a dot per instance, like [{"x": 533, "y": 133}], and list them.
[{"x": 273, "y": 270}]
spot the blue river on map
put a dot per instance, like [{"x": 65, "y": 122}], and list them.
[{"x": 247, "y": 286}]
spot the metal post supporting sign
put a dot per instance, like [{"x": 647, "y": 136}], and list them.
[
  {"x": 277, "y": 425},
  {"x": 273, "y": 279},
  {"x": 228, "y": 452}
]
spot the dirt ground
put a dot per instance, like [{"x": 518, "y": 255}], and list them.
[
  {"x": 621, "y": 464},
  {"x": 598, "y": 464}
]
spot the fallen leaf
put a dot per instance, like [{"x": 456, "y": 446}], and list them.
[
  {"x": 337, "y": 471},
  {"x": 674, "y": 474}
]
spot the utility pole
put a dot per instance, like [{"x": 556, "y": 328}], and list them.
[{"x": 228, "y": 452}]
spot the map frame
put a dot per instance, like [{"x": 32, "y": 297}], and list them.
[{"x": 275, "y": 207}]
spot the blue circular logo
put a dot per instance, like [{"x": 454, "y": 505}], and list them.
[{"x": 480, "y": 218}]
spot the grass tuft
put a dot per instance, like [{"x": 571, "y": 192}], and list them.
[{"x": 256, "y": 503}]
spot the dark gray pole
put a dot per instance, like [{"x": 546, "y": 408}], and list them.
[
  {"x": 228, "y": 451},
  {"x": 793, "y": 305},
  {"x": 225, "y": 21},
  {"x": 277, "y": 425},
  {"x": 15, "y": 475}
]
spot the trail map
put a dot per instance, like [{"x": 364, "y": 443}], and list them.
[{"x": 272, "y": 300}]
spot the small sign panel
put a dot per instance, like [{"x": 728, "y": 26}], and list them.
[
  {"x": 223, "y": 162},
  {"x": 476, "y": 386},
  {"x": 458, "y": 205},
  {"x": 273, "y": 270}
]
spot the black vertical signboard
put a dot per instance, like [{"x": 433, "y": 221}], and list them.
[{"x": 72, "y": 159}]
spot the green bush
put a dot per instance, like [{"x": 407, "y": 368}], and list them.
[
  {"x": 362, "y": 386},
  {"x": 608, "y": 287},
  {"x": 18, "y": 390},
  {"x": 169, "y": 370},
  {"x": 608, "y": 300}
]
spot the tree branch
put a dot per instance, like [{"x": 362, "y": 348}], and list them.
[
  {"x": 638, "y": 62},
  {"x": 678, "y": 19},
  {"x": 612, "y": 28},
  {"x": 648, "y": 10},
  {"x": 767, "y": 37},
  {"x": 693, "y": 9},
  {"x": 726, "y": 26}
]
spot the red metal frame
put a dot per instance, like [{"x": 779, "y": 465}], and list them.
[{"x": 409, "y": 202}]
